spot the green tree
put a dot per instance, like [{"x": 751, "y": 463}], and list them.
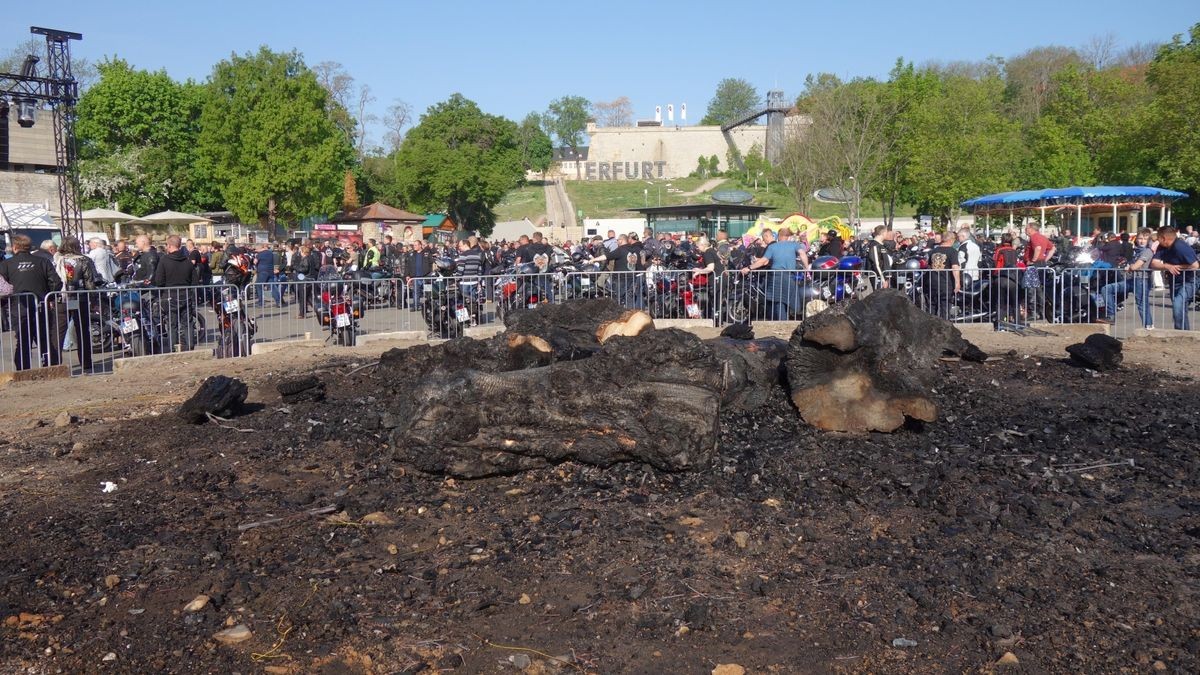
[
  {"x": 461, "y": 160},
  {"x": 962, "y": 146},
  {"x": 137, "y": 133},
  {"x": 756, "y": 164},
  {"x": 735, "y": 98},
  {"x": 268, "y": 138},
  {"x": 1169, "y": 133},
  {"x": 536, "y": 150},
  {"x": 567, "y": 117}
]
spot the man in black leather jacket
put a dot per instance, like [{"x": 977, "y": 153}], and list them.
[{"x": 145, "y": 261}]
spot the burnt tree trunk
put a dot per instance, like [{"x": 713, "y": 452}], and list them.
[
  {"x": 869, "y": 366},
  {"x": 654, "y": 398},
  {"x": 570, "y": 331}
]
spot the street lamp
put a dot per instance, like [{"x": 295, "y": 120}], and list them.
[
  {"x": 26, "y": 112},
  {"x": 854, "y": 213}
]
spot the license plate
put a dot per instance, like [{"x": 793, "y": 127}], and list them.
[
  {"x": 693, "y": 310},
  {"x": 342, "y": 320},
  {"x": 129, "y": 325},
  {"x": 462, "y": 314},
  {"x": 232, "y": 306},
  {"x": 585, "y": 282}
]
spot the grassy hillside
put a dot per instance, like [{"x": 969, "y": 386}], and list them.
[
  {"x": 610, "y": 199},
  {"x": 527, "y": 201}
]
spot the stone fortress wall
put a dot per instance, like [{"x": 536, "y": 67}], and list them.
[{"x": 651, "y": 153}]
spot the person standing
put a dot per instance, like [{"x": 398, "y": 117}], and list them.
[
  {"x": 305, "y": 265},
  {"x": 1038, "y": 251},
  {"x": 969, "y": 256},
  {"x": 32, "y": 278},
  {"x": 779, "y": 257},
  {"x": 264, "y": 276},
  {"x": 145, "y": 261},
  {"x": 879, "y": 259},
  {"x": 78, "y": 275},
  {"x": 176, "y": 273},
  {"x": 944, "y": 278},
  {"x": 102, "y": 260},
  {"x": 124, "y": 259},
  {"x": 1179, "y": 263},
  {"x": 420, "y": 265}
]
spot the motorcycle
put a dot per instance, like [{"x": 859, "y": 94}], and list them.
[
  {"x": 234, "y": 328},
  {"x": 449, "y": 306},
  {"x": 524, "y": 287},
  {"x": 336, "y": 307},
  {"x": 746, "y": 298}
]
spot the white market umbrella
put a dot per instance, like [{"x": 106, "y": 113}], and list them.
[
  {"x": 175, "y": 218},
  {"x": 102, "y": 216}
]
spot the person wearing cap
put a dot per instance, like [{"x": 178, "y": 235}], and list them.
[{"x": 832, "y": 244}]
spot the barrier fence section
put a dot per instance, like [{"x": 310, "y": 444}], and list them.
[
  {"x": 93, "y": 329},
  {"x": 338, "y": 310},
  {"x": 785, "y": 295},
  {"x": 1012, "y": 298},
  {"x": 24, "y": 335}
]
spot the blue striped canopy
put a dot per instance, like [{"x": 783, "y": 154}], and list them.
[{"x": 1072, "y": 195}]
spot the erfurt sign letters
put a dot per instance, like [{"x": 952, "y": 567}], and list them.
[{"x": 623, "y": 170}]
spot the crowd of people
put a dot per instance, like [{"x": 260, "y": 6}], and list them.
[{"x": 30, "y": 275}]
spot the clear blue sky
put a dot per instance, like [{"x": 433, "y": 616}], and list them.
[{"x": 514, "y": 56}]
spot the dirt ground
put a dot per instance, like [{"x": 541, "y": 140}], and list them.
[{"x": 992, "y": 540}]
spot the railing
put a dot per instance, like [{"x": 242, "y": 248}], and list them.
[
  {"x": 785, "y": 295},
  {"x": 91, "y": 331},
  {"x": 25, "y": 341},
  {"x": 1012, "y": 298}
]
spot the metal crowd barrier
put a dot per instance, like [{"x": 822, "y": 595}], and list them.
[
  {"x": 784, "y": 295},
  {"x": 92, "y": 330},
  {"x": 24, "y": 336},
  {"x": 338, "y": 310}
]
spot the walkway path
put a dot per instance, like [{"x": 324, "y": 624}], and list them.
[
  {"x": 559, "y": 210},
  {"x": 706, "y": 186}
]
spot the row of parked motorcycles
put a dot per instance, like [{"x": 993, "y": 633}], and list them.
[
  {"x": 1065, "y": 290},
  {"x": 137, "y": 320},
  {"x": 450, "y": 304}
]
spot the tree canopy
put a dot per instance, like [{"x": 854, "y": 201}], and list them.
[
  {"x": 137, "y": 133},
  {"x": 268, "y": 136},
  {"x": 734, "y": 98},
  {"x": 461, "y": 160}
]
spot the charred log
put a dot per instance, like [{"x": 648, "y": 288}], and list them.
[
  {"x": 1098, "y": 352},
  {"x": 869, "y": 365},
  {"x": 655, "y": 398},
  {"x": 218, "y": 395},
  {"x": 573, "y": 330}
]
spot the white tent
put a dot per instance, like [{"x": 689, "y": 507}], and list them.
[
  {"x": 510, "y": 230},
  {"x": 14, "y": 216}
]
